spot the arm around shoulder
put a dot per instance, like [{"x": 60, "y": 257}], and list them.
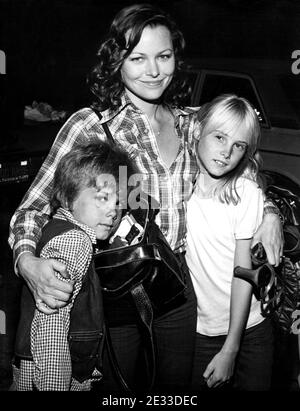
[
  {"x": 34, "y": 210},
  {"x": 39, "y": 275}
]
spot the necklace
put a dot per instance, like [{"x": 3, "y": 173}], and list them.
[
  {"x": 155, "y": 123},
  {"x": 162, "y": 122},
  {"x": 156, "y": 132}
]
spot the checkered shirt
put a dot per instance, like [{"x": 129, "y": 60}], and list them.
[
  {"x": 131, "y": 129},
  {"x": 51, "y": 368}
]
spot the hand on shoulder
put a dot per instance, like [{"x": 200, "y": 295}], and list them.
[{"x": 42, "y": 282}]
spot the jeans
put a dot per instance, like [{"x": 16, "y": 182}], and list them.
[
  {"x": 253, "y": 367},
  {"x": 174, "y": 337}
]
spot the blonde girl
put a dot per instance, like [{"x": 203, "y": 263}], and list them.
[{"x": 233, "y": 341}]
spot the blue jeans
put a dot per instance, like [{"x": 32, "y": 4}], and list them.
[
  {"x": 253, "y": 368},
  {"x": 174, "y": 334}
]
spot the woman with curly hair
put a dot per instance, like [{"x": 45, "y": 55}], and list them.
[
  {"x": 139, "y": 90},
  {"x": 140, "y": 96}
]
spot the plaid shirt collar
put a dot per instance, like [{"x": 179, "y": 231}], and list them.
[{"x": 109, "y": 114}]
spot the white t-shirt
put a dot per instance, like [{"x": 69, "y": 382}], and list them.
[{"x": 212, "y": 228}]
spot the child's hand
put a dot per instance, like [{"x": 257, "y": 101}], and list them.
[{"x": 220, "y": 369}]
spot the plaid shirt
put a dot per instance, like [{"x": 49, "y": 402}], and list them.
[
  {"x": 131, "y": 129},
  {"x": 51, "y": 368}
]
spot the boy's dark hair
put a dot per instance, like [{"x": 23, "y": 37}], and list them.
[
  {"x": 105, "y": 80},
  {"x": 82, "y": 165}
]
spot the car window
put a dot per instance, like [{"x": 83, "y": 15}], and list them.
[
  {"x": 215, "y": 84},
  {"x": 291, "y": 91},
  {"x": 191, "y": 78}
]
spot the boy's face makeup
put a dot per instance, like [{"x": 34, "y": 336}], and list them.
[
  {"x": 97, "y": 207},
  {"x": 149, "y": 69},
  {"x": 220, "y": 150}
]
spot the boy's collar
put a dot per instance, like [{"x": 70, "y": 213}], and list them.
[{"x": 66, "y": 214}]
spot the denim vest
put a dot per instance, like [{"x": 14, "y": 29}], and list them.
[{"x": 86, "y": 332}]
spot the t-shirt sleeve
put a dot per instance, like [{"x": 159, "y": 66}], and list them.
[{"x": 249, "y": 211}]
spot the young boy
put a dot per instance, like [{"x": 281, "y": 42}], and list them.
[{"x": 62, "y": 351}]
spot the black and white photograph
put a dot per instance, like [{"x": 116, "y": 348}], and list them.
[{"x": 150, "y": 199}]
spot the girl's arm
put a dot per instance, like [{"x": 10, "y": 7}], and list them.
[
  {"x": 270, "y": 234},
  {"x": 221, "y": 367},
  {"x": 270, "y": 231}
]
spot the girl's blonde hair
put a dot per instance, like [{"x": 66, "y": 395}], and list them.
[{"x": 229, "y": 108}]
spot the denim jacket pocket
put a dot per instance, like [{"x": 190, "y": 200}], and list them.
[{"x": 86, "y": 352}]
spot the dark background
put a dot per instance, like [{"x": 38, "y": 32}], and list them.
[{"x": 50, "y": 46}]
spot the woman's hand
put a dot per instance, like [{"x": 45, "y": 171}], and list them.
[
  {"x": 270, "y": 234},
  {"x": 220, "y": 369},
  {"x": 49, "y": 292}
]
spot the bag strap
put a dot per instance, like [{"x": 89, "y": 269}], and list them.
[
  {"x": 144, "y": 308},
  {"x": 114, "y": 362},
  {"x": 145, "y": 311},
  {"x": 105, "y": 128}
]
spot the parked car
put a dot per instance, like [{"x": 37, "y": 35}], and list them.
[{"x": 272, "y": 89}]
